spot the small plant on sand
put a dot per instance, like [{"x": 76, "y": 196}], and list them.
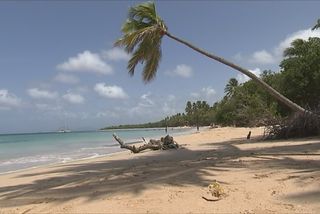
[{"x": 215, "y": 189}]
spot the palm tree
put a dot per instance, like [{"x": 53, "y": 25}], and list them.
[
  {"x": 231, "y": 87},
  {"x": 317, "y": 25},
  {"x": 142, "y": 35}
]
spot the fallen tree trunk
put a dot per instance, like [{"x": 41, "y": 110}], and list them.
[{"x": 163, "y": 144}]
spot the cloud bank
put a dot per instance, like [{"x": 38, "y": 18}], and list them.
[
  {"x": 274, "y": 56},
  {"x": 116, "y": 54},
  {"x": 181, "y": 70},
  {"x": 243, "y": 78},
  {"x": 206, "y": 93},
  {"x": 73, "y": 98},
  {"x": 41, "y": 94},
  {"x": 66, "y": 78},
  {"x": 113, "y": 91},
  {"x": 8, "y": 100},
  {"x": 86, "y": 62}
]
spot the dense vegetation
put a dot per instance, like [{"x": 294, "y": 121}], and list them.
[{"x": 247, "y": 104}]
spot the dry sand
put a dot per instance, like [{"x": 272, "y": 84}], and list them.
[{"x": 256, "y": 176}]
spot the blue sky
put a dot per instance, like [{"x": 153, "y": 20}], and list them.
[{"x": 57, "y": 61}]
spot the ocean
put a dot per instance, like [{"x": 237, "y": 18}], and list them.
[{"x": 22, "y": 151}]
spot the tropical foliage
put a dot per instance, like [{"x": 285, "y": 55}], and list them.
[{"x": 301, "y": 72}]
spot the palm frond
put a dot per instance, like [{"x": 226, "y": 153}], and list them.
[
  {"x": 152, "y": 63},
  {"x": 231, "y": 87},
  {"x": 145, "y": 12},
  {"x": 147, "y": 52},
  {"x": 317, "y": 25},
  {"x": 139, "y": 55},
  {"x": 131, "y": 40},
  {"x": 132, "y": 25},
  {"x": 297, "y": 47},
  {"x": 142, "y": 34}
]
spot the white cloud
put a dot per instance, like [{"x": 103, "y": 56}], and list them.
[
  {"x": 86, "y": 62},
  {"x": 107, "y": 114},
  {"x": 149, "y": 106},
  {"x": 144, "y": 106},
  {"x": 82, "y": 89},
  {"x": 171, "y": 97},
  {"x": 275, "y": 55},
  {"x": 262, "y": 57},
  {"x": 194, "y": 94},
  {"x": 243, "y": 78},
  {"x": 116, "y": 54},
  {"x": 302, "y": 34},
  {"x": 73, "y": 98},
  {"x": 206, "y": 93},
  {"x": 239, "y": 57},
  {"x": 146, "y": 101},
  {"x": 8, "y": 100},
  {"x": 168, "y": 108},
  {"x": 169, "y": 105},
  {"x": 182, "y": 70},
  {"x": 58, "y": 111},
  {"x": 46, "y": 107},
  {"x": 66, "y": 78},
  {"x": 39, "y": 94},
  {"x": 113, "y": 91}
]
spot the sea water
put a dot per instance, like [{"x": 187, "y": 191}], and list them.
[{"x": 21, "y": 151}]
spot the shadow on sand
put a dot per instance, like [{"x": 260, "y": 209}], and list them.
[{"x": 155, "y": 168}]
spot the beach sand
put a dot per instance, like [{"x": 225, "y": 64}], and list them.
[{"x": 256, "y": 176}]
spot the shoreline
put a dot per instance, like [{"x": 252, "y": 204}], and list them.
[
  {"x": 255, "y": 178},
  {"x": 11, "y": 165},
  {"x": 57, "y": 164}
]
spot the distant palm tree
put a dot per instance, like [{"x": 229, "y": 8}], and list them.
[
  {"x": 317, "y": 25},
  {"x": 231, "y": 87},
  {"x": 142, "y": 34}
]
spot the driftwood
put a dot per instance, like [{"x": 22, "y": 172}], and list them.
[{"x": 164, "y": 143}]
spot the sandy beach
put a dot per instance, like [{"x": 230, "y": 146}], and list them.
[{"x": 256, "y": 177}]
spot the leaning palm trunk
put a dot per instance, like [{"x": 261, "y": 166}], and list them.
[
  {"x": 293, "y": 106},
  {"x": 142, "y": 35}
]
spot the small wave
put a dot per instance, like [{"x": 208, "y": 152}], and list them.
[
  {"x": 26, "y": 160},
  {"x": 94, "y": 155},
  {"x": 112, "y": 145},
  {"x": 65, "y": 160},
  {"x": 92, "y": 148}
]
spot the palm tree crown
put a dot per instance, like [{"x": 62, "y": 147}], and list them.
[
  {"x": 142, "y": 34},
  {"x": 231, "y": 87}
]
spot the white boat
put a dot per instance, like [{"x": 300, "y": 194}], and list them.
[{"x": 64, "y": 130}]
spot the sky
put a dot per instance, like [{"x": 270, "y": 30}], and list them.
[{"x": 58, "y": 66}]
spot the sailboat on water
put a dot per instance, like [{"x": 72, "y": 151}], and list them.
[{"x": 65, "y": 129}]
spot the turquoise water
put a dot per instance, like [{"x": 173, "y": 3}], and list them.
[{"x": 21, "y": 151}]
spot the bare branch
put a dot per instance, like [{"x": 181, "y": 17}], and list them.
[{"x": 163, "y": 144}]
